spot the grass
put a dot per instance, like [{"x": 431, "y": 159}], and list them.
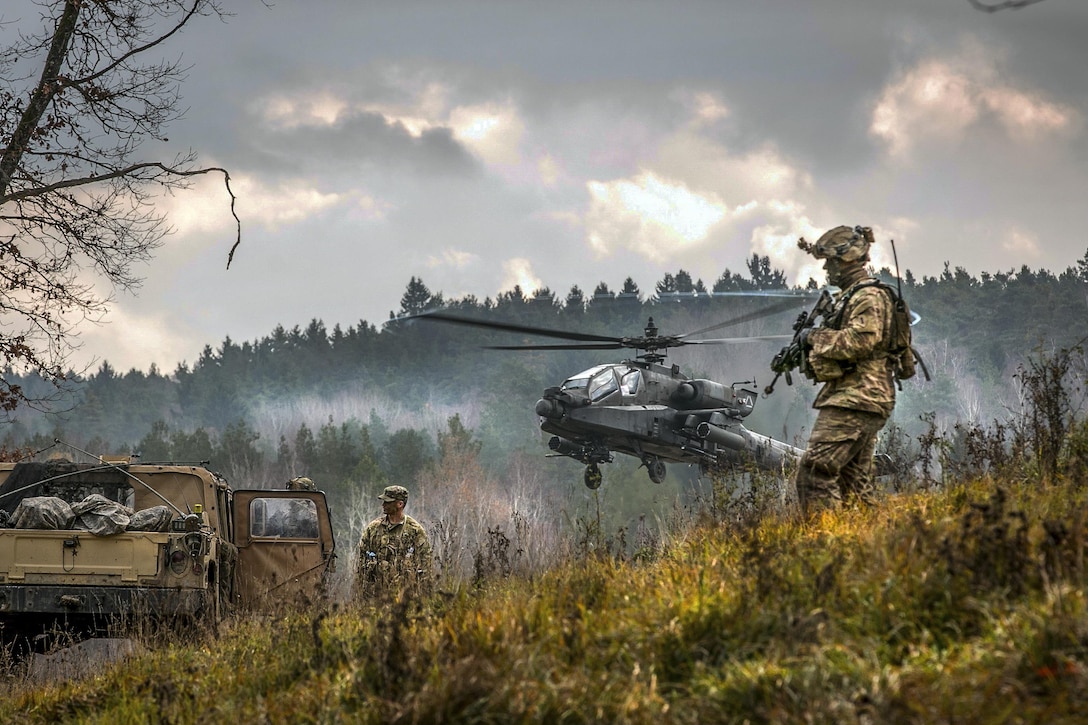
[{"x": 965, "y": 605}]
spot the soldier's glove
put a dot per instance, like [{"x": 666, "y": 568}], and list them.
[{"x": 802, "y": 338}]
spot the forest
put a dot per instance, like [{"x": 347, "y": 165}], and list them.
[
  {"x": 960, "y": 598},
  {"x": 426, "y": 405}
]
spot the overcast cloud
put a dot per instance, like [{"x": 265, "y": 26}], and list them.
[{"x": 479, "y": 145}]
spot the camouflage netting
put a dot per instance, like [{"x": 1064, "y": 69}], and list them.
[{"x": 96, "y": 514}]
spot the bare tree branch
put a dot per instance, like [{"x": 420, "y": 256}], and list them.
[
  {"x": 1005, "y": 5},
  {"x": 77, "y": 196}
]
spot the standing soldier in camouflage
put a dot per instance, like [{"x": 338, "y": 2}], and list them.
[
  {"x": 851, "y": 355},
  {"x": 394, "y": 556}
]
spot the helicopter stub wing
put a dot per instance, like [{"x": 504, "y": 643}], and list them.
[
  {"x": 635, "y": 430},
  {"x": 673, "y": 436},
  {"x": 764, "y": 451}
]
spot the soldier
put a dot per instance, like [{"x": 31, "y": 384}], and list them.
[
  {"x": 394, "y": 555},
  {"x": 850, "y": 353}
]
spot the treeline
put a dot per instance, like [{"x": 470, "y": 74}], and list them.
[{"x": 259, "y": 390}]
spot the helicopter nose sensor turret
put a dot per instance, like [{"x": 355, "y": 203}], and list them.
[{"x": 549, "y": 408}]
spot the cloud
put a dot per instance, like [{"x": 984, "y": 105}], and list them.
[
  {"x": 942, "y": 99},
  {"x": 1021, "y": 243},
  {"x": 205, "y": 206},
  {"x": 701, "y": 204},
  {"x": 492, "y": 131},
  {"x": 454, "y": 258},
  {"x": 135, "y": 338},
  {"x": 286, "y": 203},
  {"x": 549, "y": 170},
  {"x": 1025, "y": 116},
  {"x": 284, "y": 111},
  {"x": 397, "y": 112},
  {"x": 776, "y": 238},
  {"x": 519, "y": 271},
  {"x": 647, "y": 214},
  {"x": 707, "y": 109}
]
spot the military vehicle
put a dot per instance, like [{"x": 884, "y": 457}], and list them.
[{"x": 87, "y": 546}]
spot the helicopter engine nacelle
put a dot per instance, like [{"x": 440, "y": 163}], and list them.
[
  {"x": 721, "y": 436},
  {"x": 698, "y": 394}
]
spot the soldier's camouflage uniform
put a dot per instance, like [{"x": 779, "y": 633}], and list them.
[
  {"x": 855, "y": 402},
  {"x": 394, "y": 559}
]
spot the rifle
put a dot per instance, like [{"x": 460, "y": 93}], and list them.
[{"x": 793, "y": 355}]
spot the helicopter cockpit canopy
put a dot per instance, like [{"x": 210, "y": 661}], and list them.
[{"x": 602, "y": 380}]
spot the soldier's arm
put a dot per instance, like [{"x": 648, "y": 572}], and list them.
[
  {"x": 366, "y": 545},
  {"x": 424, "y": 554},
  {"x": 863, "y": 329}
]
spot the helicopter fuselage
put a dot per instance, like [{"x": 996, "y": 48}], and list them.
[
  {"x": 641, "y": 407},
  {"x": 656, "y": 414}
]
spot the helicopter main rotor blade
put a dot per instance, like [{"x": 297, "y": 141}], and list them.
[
  {"x": 773, "y": 309},
  {"x": 730, "y": 340},
  {"x": 509, "y": 327},
  {"x": 803, "y": 294},
  {"x": 571, "y": 346}
]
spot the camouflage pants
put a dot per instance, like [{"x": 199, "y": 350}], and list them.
[
  {"x": 838, "y": 463},
  {"x": 385, "y": 582}
]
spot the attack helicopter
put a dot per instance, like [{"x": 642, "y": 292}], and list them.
[{"x": 643, "y": 407}]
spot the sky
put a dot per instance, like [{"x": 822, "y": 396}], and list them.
[{"x": 483, "y": 145}]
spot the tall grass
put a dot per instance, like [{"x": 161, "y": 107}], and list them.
[
  {"x": 960, "y": 597},
  {"x": 966, "y": 604}
]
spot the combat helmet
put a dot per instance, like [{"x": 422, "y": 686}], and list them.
[
  {"x": 301, "y": 483},
  {"x": 843, "y": 243}
]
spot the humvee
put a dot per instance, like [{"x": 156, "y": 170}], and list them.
[{"x": 85, "y": 546}]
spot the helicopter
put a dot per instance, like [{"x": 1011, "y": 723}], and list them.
[{"x": 643, "y": 407}]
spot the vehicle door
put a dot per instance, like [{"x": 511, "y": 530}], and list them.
[{"x": 285, "y": 547}]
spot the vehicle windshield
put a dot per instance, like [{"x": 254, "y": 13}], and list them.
[
  {"x": 630, "y": 378},
  {"x": 581, "y": 380},
  {"x": 602, "y": 384},
  {"x": 283, "y": 517}
]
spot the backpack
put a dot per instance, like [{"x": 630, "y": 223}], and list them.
[{"x": 905, "y": 359}]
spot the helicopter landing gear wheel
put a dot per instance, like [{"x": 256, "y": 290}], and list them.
[
  {"x": 655, "y": 467},
  {"x": 593, "y": 476}
]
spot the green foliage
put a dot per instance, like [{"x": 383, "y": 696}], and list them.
[
  {"x": 973, "y": 334},
  {"x": 405, "y": 454},
  {"x": 960, "y": 597},
  {"x": 192, "y": 447},
  {"x": 236, "y": 452},
  {"x": 155, "y": 446},
  {"x": 931, "y": 608}
]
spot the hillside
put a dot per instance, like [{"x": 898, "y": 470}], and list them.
[
  {"x": 423, "y": 405},
  {"x": 965, "y": 604}
]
